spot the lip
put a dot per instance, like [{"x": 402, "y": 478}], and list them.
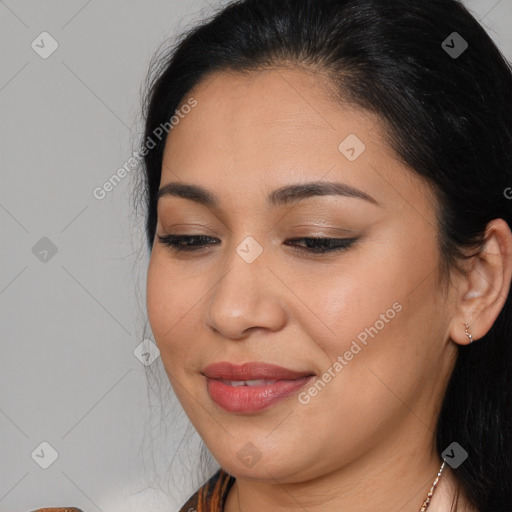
[
  {"x": 252, "y": 399},
  {"x": 251, "y": 371}
]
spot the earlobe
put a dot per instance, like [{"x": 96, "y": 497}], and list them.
[
  {"x": 462, "y": 335},
  {"x": 468, "y": 333}
]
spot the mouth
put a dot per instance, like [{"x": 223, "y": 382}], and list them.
[
  {"x": 253, "y": 382},
  {"x": 252, "y": 387}
]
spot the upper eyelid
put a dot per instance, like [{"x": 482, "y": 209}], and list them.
[
  {"x": 166, "y": 222},
  {"x": 347, "y": 236},
  {"x": 205, "y": 226}
]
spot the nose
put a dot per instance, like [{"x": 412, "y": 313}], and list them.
[{"x": 247, "y": 296}]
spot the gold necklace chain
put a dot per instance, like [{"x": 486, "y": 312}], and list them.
[{"x": 430, "y": 493}]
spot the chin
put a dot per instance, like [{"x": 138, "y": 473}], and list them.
[{"x": 263, "y": 470}]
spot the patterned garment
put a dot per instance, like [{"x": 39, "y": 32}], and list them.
[
  {"x": 211, "y": 497},
  {"x": 58, "y": 509}
]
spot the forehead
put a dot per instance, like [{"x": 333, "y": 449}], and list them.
[{"x": 266, "y": 108}]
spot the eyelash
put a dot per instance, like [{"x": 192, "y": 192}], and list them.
[{"x": 173, "y": 242}]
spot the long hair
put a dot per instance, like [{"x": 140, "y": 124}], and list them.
[{"x": 444, "y": 91}]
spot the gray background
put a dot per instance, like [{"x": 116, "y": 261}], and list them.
[{"x": 71, "y": 320}]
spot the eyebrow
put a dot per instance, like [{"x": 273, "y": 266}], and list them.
[{"x": 278, "y": 197}]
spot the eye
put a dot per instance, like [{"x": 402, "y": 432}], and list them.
[
  {"x": 196, "y": 243},
  {"x": 185, "y": 242},
  {"x": 323, "y": 245}
]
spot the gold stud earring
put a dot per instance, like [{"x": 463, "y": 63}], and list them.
[{"x": 468, "y": 334}]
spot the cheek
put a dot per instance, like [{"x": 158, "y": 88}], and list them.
[
  {"x": 176, "y": 315},
  {"x": 169, "y": 302},
  {"x": 157, "y": 299},
  {"x": 344, "y": 305},
  {"x": 372, "y": 330}
]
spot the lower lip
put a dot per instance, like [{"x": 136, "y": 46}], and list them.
[{"x": 247, "y": 399}]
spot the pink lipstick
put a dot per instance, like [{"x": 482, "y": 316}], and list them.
[{"x": 252, "y": 386}]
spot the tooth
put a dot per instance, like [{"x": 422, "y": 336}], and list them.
[
  {"x": 254, "y": 382},
  {"x": 257, "y": 382},
  {"x": 236, "y": 383}
]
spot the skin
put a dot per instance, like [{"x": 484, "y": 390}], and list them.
[{"x": 366, "y": 441}]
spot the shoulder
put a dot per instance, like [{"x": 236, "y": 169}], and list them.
[{"x": 211, "y": 496}]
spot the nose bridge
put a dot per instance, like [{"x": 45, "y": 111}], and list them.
[{"x": 244, "y": 296}]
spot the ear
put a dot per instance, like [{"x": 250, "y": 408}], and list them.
[{"x": 484, "y": 289}]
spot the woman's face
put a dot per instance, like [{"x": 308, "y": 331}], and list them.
[{"x": 367, "y": 322}]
